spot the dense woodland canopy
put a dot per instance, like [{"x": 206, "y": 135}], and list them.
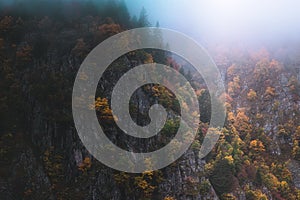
[{"x": 42, "y": 44}]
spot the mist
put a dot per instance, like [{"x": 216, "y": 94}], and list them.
[
  {"x": 216, "y": 20},
  {"x": 227, "y": 20}
]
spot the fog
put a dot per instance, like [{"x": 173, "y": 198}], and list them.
[
  {"x": 226, "y": 20},
  {"x": 254, "y": 20}
]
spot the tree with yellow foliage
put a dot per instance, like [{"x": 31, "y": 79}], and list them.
[
  {"x": 296, "y": 144},
  {"x": 241, "y": 123},
  {"x": 234, "y": 86},
  {"x": 269, "y": 93},
  {"x": 251, "y": 95},
  {"x": 169, "y": 198},
  {"x": 256, "y": 148},
  {"x": 102, "y": 107}
]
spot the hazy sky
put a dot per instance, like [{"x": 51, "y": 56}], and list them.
[
  {"x": 225, "y": 19},
  {"x": 228, "y": 19}
]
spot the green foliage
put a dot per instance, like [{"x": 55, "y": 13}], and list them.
[
  {"x": 143, "y": 19},
  {"x": 205, "y": 104},
  {"x": 170, "y": 127},
  {"x": 222, "y": 177}
]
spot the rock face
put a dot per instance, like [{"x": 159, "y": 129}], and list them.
[
  {"x": 52, "y": 171},
  {"x": 183, "y": 180},
  {"x": 294, "y": 167},
  {"x": 24, "y": 174},
  {"x": 47, "y": 159}
]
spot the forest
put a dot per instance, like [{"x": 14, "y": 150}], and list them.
[{"x": 42, "y": 45}]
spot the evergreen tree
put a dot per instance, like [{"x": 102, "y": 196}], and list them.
[
  {"x": 143, "y": 20},
  {"x": 123, "y": 16}
]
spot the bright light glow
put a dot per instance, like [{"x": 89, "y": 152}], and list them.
[
  {"x": 226, "y": 18},
  {"x": 250, "y": 17}
]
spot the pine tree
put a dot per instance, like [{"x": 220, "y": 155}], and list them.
[{"x": 143, "y": 19}]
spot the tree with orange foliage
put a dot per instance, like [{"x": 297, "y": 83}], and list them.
[
  {"x": 251, "y": 95},
  {"x": 85, "y": 164},
  {"x": 241, "y": 123},
  {"x": 234, "y": 86},
  {"x": 270, "y": 92},
  {"x": 110, "y": 28}
]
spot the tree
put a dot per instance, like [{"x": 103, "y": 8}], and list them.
[
  {"x": 123, "y": 16},
  {"x": 294, "y": 86},
  {"x": 111, "y": 9},
  {"x": 143, "y": 19},
  {"x": 80, "y": 50},
  {"x": 134, "y": 22},
  {"x": 257, "y": 146},
  {"x": 102, "y": 107},
  {"x": 205, "y": 106},
  {"x": 222, "y": 177},
  {"x": 296, "y": 144},
  {"x": 251, "y": 95},
  {"x": 234, "y": 86},
  {"x": 255, "y": 195},
  {"x": 270, "y": 92},
  {"x": 109, "y": 28},
  {"x": 242, "y": 124},
  {"x": 6, "y": 24}
]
